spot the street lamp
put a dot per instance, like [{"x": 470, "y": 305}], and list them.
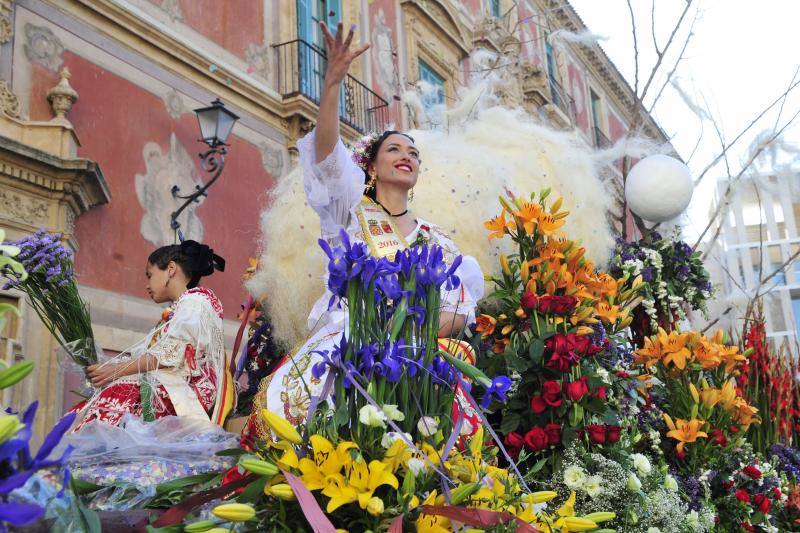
[{"x": 216, "y": 123}]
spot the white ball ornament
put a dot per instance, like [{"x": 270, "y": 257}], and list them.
[{"x": 659, "y": 188}]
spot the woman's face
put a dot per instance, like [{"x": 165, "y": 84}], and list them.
[
  {"x": 397, "y": 162},
  {"x": 158, "y": 281}
]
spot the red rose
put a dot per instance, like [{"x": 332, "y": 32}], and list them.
[
  {"x": 558, "y": 343},
  {"x": 600, "y": 392},
  {"x": 551, "y": 393},
  {"x": 747, "y": 526},
  {"x": 762, "y": 503},
  {"x": 734, "y": 428},
  {"x": 776, "y": 493},
  {"x": 561, "y": 362},
  {"x": 553, "y": 434},
  {"x": 536, "y": 440},
  {"x": 576, "y": 390},
  {"x": 557, "y": 305},
  {"x": 514, "y": 443},
  {"x": 597, "y": 433},
  {"x": 622, "y": 375},
  {"x": 538, "y": 405},
  {"x": 727, "y": 485},
  {"x": 742, "y": 496},
  {"x": 612, "y": 434},
  {"x": 719, "y": 437},
  {"x": 529, "y": 301},
  {"x": 752, "y": 471}
]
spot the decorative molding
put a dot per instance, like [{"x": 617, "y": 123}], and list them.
[
  {"x": 9, "y": 103},
  {"x": 438, "y": 14},
  {"x": 43, "y": 47},
  {"x": 22, "y": 207},
  {"x": 272, "y": 158},
  {"x": 173, "y": 102},
  {"x": 173, "y": 10}
]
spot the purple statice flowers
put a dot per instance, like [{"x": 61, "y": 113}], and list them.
[{"x": 43, "y": 253}]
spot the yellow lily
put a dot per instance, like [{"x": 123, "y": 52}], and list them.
[
  {"x": 327, "y": 462},
  {"x": 282, "y": 427},
  {"x": 727, "y": 395},
  {"x": 710, "y": 397},
  {"x": 339, "y": 492},
  {"x": 433, "y": 523},
  {"x": 364, "y": 479},
  {"x": 397, "y": 454},
  {"x": 684, "y": 431},
  {"x": 568, "y": 521}
]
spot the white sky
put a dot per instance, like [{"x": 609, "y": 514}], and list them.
[{"x": 742, "y": 56}]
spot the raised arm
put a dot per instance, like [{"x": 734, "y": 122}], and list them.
[{"x": 339, "y": 59}]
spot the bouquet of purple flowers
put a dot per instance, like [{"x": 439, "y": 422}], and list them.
[{"x": 52, "y": 292}]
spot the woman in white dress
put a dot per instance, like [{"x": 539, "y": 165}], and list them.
[{"x": 366, "y": 194}]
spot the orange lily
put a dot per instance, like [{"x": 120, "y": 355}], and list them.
[
  {"x": 707, "y": 354},
  {"x": 485, "y": 325},
  {"x": 650, "y": 354},
  {"x": 528, "y": 214},
  {"x": 548, "y": 223},
  {"x": 684, "y": 431},
  {"x": 497, "y": 226},
  {"x": 608, "y": 313},
  {"x": 674, "y": 346}
]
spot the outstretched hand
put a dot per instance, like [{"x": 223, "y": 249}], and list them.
[{"x": 339, "y": 54}]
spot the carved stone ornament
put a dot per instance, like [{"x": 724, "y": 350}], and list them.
[
  {"x": 62, "y": 96},
  {"x": 8, "y": 100},
  {"x": 173, "y": 9},
  {"x": 22, "y": 208},
  {"x": 43, "y": 47},
  {"x": 258, "y": 57},
  {"x": 383, "y": 57},
  {"x": 6, "y": 29}
]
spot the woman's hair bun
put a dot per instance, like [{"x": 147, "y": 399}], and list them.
[{"x": 196, "y": 259}]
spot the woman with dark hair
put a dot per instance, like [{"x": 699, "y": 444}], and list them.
[
  {"x": 366, "y": 193},
  {"x": 179, "y": 367}
]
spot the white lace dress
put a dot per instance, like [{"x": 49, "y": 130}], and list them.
[{"x": 334, "y": 188}]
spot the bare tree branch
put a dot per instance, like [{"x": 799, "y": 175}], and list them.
[
  {"x": 661, "y": 54},
  {"x": 635, "y": 51},
  {"x": 653, "y": 25},
  {"x": 675, "y": 66}
]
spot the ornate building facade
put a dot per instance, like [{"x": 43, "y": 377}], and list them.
[{"x": 111, "y": 84}]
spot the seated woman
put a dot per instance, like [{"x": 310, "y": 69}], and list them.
[
  {"x": 179, "y": 367},
  {"x": 366, "y": 193}
]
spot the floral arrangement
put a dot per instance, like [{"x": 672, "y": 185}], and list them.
[
  {"x": 49, "y": 284},
  {"x": 360, "y": 150},
  {"x": 768, "y": 380},
  {"x": 549, "y": 322},
  {"x": 673, "y": 277},
  {"x": 405, "y": 443}
]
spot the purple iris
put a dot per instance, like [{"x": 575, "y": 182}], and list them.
[
  {"x": 647, "y": 274},
  {"x": 496, "y": 391}
]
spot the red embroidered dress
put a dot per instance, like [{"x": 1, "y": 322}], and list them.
[{"x": 188, "y": 343}]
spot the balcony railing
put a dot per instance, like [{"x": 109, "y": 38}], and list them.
[
  {"x": 600, "y": 140},
  {"x": 301, "y": 70},
  {"x": 561, "y": 99}
]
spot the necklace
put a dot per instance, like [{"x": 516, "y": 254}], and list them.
[{"x": 391, "y": 214}]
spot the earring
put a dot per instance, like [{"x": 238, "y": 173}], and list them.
[
  {"x": 371, "y": 183},
  {"x": 411, "y": 195}
]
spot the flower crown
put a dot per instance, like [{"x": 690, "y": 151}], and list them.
[{"x": 361, "y": 150}]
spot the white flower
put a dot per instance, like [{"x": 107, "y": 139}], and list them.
[
  {"x": 593, "y": 486},
  {"x": 653, "y": 530},
  {"x": 641, "y": 463},
  {"x": 427, "y": 426},
  {"x": 671, "y": 484},
  {"x": 391, "y": 411},
  {"x": 574, "y": 477},
  {"x": 602, "y": 373},
  {"x": 415, "y": 466},
  {"x": 369, "y": 415},
  {"x": 633, "y": 484},
  {"x": 693, "y": 520},
  {"x": 392, "y": 436}
]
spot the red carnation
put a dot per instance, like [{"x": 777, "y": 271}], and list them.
[
  {"x": 762, "y": 503},
  {"x": 776, "y": 493},
  {"x": 536, "y": 440},
  {"x": 551, "y": 393},
  {"x": 576, "y": 390},
  {"x": 538, "y": 405},
  {"x": 514, "y": 443},
  {"x": 597, "y": 433},
  {"x": 622, "y": 375},
  {"x": 719, "y": 437},
  {"x": 727, "y": 485},
  {"x": 553, "y": 434},
  {"x": 612, "y": 434},
  {"x": 742, "y": 496},
  {"x": 557, "y": 305},
  {"x": 752, "y": 471},
  {"x": 600, "y": 392},
  {"x": 747, "y": 526},
  {"x": 529, "y": 301}
]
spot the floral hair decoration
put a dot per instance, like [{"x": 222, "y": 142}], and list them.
[{"x": 361, "y": 150}]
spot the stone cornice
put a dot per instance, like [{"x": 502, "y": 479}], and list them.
[
  {"x": 617, "y": 88},
  {"x": 438, "y": 14},
  {"x": 80, "y": 179}
]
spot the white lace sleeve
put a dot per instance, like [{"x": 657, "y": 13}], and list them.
[
  {"x": 192, "y": 329},
  {"x": 333, "y": 186},
  {"x": 464, "y": 299}
]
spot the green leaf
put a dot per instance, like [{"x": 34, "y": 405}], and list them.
[
  {"x": 536, "y": 350},
  {"x": 510, "y": 423},
  {"x": 253, "y": 492},
  {"x": 183, "y": 482},
  {"x": 81, "y": 487},
  {"x": 15, "y": 266},
  {"x": 231, "y": 452},
  {"x": 538, "y": 466}
]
